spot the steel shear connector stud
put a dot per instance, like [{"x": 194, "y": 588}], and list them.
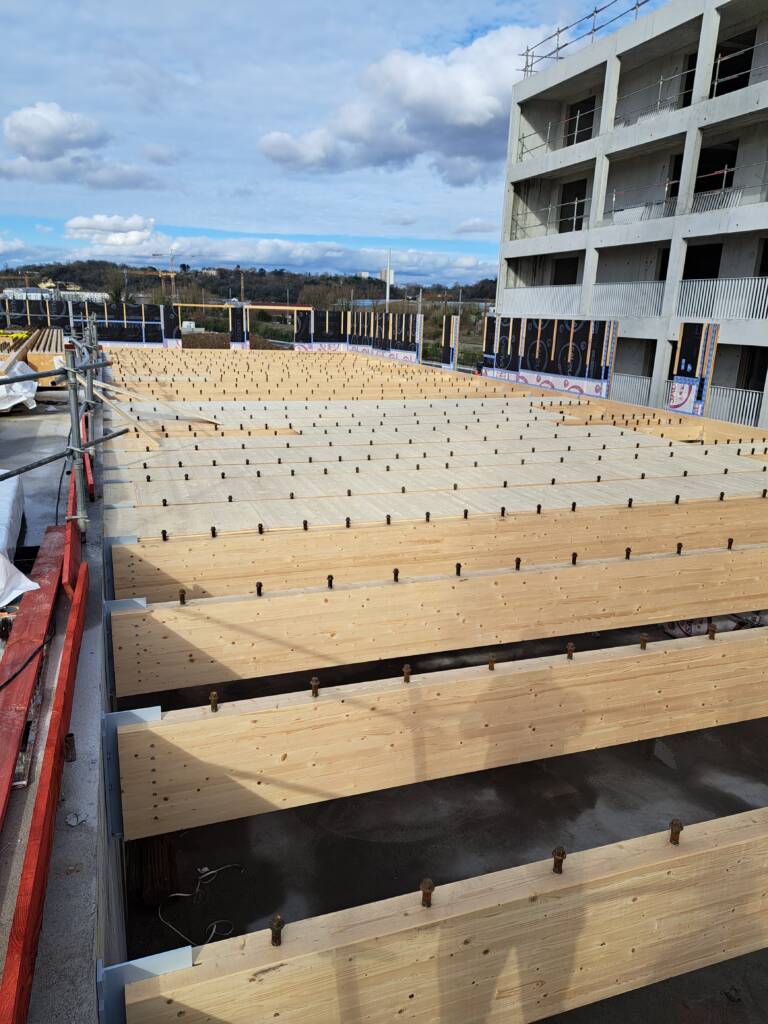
[
  {"x": 675, "y": 828},
  {"x": 570, "y": 647},
  {"x": 427, "y": 888},
  {"x": 213, "y": 698},
  {"x": 711, "y": 630},
  {"x": 406, "y": 673},
  {"x": 558, "y": 856},
  {"x": 276, "y": 926},
  {"x": 491, "y": 663},
  {"x": 396, "y": 575},
  {"x": 330, "y": 581},
  {"x": 314, "y": 683},
  {"x": 643, "y": 641},
  {"x": 182, "y": 596}
]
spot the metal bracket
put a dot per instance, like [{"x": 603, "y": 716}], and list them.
[
  {"x": 109, "y": 726},
  {"x": 111, "y": 981}
]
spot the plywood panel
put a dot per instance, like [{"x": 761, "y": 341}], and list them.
[
  {"x": 222, "y": 639},
  {"x": 196, "y": 767},
  {"x": 517, "y": 945},
  {"x": 232, "y": 564}
]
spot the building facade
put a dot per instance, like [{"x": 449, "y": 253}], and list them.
[{"x": 637, "y": 190}]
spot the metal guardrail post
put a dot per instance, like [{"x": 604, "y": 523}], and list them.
[{"x": 75, "y": 441}]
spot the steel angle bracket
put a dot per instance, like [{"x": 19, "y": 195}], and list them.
[{"x": 111, "y": 981}]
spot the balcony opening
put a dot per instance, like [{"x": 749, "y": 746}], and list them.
[
  {"x": 686, "y": 85},
  {"x": 580, "y": 122},
  {"x": 675, "y": 170},
  {"x": 716, "y": 167},
  {"x": 733, "y": 64},
  {"x": 565, "y": 270},
  {"x": 740, "y": 366},
  {"x": 662, "y": 266},
  {"x": 702, "y": 261},
  {"x": 762, "y": 266},
  {"x": 573, "y": 200}
]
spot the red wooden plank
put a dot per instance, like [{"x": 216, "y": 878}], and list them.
[
  {"x": 29, "y": 630},
  {"x": 72, "y": 552},
  {"x": 28, "y": 915}
]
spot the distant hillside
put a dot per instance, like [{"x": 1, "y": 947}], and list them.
[{"x": 258, "y": 285}]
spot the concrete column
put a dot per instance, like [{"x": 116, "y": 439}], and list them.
[
  {"x": 707, "y": 54},
  {"x": 688, "y": 171},
  {"x": 599, "y": 186},
  {"x": 610, "y": 94},
  {"x": 677, "y": 251},
  {"x": 762, "y": 420},
  {"x": 588, "y": 277},
  {"x": 659, "y": 371}
]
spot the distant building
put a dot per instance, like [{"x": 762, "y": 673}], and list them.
[{"x": 637, "y": 190}]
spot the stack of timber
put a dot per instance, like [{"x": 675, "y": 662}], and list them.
[{"x": 42, "y": 350}]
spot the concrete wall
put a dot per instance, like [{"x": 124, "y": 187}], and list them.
[
  {"x": 628, "y": 263},
  {"x": 634, "y": 355},
  {"x": 727, "y": 359}
]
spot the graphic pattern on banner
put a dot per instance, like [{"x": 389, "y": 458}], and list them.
[
  {"x": 561, "y": 355},
  {"x": 692, "y": 369},
  {"x": 115, "y": 321}
]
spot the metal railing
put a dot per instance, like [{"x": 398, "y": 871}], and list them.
[
  {"x": 588, "y": 27},
  {"x": 737, "y": 405},
  {"x": 630, "y": 387},
  {"x": 628, "y": 298},
  {"x": 557, "y": 218},
  {"x": 668, "y": 93},
  {"x": 543, "y": 300},
  {"x": 724, "y": 298},
  {"x": 622, "y": 208},
  {"x": 723, "y": 73},
  {"x": 562, "y": 134},
  {"x": 627, "y": 205}
]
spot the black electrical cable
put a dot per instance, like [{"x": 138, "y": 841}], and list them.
[{"x": 20, "y": 669}]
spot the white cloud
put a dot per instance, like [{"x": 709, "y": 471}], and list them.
[
  {"x": 126, "y": 238},
  {"x": 476, "y": 226},
  {"x": 452, "y": 109},
  {"x": 112, "y": 232},
  {"x": 10, "y": 245},
  {"x": 43, "y": 229},
  {"x": 44, "y": 132},
  {"x": 79, "y": 168}
]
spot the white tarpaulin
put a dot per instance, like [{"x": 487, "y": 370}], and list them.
[
  {"x": 18, "y": 394},
  {"x": 12, "y": 582}
]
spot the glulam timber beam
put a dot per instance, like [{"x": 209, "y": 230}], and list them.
[
  {"x": 216, "y": 640},
  {"x": 195, "y": 767},
  {"x": 517, "y": 945}
]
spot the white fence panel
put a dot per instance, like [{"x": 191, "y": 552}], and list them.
[
  {"x": 628, "y": 298},
  {"x": 630, "y": 387},
  {"x": 725, "y": 298},
  {"x": 549, "y": 301}
]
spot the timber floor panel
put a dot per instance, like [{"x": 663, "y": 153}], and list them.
[{"x": 231, "y": 564}]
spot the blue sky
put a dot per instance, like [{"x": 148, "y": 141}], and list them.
[{"x": 294, "y": 134}]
